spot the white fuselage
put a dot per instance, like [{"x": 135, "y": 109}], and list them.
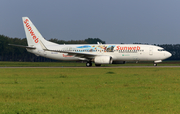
[{"x": 119, "y": 52}]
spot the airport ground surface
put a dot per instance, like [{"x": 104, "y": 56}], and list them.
[
  {"x": 105, "y": 67},
  {"x": 80, "y": 64},
  {"x": 78, "y": 89}
]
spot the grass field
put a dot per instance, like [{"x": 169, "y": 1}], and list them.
[{"x": 89, "y": 90}]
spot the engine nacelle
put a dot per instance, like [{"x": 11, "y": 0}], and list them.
[
  {"x": 119, "y": 62},
  {"x": 103, "y": 60}
]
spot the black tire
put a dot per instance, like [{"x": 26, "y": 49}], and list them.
[
  {"x": 88, "y": 64},
  {"x": 98, "y": 65},
  {"x": 155, "y": 64}
]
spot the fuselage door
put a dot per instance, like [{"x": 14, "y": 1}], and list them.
[{"x": 151, "y": 51}]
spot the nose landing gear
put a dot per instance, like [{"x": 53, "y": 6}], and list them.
[
  {"x": 155, "y": 64},
  {"x": 157, "y": 61}
]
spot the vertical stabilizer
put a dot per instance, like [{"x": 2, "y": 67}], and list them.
[
  {"x": 32, "y": 34},
  {"x": 34, "y": 38}
]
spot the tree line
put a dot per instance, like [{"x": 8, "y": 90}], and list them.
[{"x": 11, "y": 53}]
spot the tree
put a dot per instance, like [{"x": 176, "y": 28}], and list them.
[
  {"x": 94, "y": 41},
  {"x": 10, "y": 53}
]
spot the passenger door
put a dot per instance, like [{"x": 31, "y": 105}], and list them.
[{"x": 151, "y": 51}]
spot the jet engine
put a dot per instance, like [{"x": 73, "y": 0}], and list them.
[{"x": 103, "y": 60}]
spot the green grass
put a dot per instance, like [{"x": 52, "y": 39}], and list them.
[
  {"x": 84, "y": 90},
  {"x": 39, "y": 64}
]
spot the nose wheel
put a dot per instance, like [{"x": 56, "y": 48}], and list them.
[
  {"x": 89, "y": 64},
  {"x": 155, "y": 64}
]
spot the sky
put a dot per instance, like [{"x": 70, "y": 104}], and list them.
[{"x": 113, "y": 21}]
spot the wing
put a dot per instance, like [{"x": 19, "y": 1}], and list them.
[{"x": 76, "y": 54}]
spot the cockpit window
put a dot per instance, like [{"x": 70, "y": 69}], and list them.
[{"x": 161, "y": 50}]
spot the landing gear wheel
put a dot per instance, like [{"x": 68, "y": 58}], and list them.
[
  {"x": 98, "y": 65},
  {"x": 88, "y": 64},
  {"x": 155, "y": 64}
]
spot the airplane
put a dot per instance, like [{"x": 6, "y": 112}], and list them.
[{"x": 98, "y": 53}]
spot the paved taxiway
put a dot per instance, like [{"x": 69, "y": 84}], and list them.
[{"x": 104, "y": 67}]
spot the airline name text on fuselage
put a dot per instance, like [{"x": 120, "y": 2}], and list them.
[{"x": 128, "y": 48}]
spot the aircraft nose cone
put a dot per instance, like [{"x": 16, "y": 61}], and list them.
[{"x": 168, "y": 54}]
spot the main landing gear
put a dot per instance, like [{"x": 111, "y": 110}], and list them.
[
  {"x": 89, "y": 64},
  {"x": 98, "y": 65}
]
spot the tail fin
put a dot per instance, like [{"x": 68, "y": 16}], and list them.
[{"x": 34, "y": 38}]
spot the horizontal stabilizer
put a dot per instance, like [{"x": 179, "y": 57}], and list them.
[{"x": 22, "y": 46}]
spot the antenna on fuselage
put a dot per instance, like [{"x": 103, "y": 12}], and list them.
[{"x": 99, "y": 43}]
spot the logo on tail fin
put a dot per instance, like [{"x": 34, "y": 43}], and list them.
[{"x": 26, "y": 22}]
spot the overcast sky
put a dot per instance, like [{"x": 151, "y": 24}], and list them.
[{"x": 113, "y": 21}]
